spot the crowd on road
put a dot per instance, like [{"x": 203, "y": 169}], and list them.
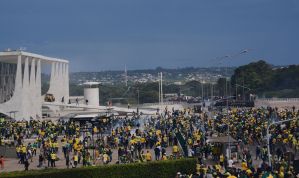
[{"x": 183, "y": 132}]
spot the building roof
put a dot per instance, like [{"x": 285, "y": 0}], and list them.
[{"x": 9, "y": 56}]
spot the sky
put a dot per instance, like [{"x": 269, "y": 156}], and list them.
[{"x": 98, "y": 35}]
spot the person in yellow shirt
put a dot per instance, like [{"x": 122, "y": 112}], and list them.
[
  {"x": 221, "y": 159},
  {"x": 94, "y": 130},
  {"x": 77, "y": 140},
  {"x": 23, "y": 153},
  {"x": 158, "y": 132},
  {"x": 218, "y": 167},
  {"x": 75, "y": 158},
  {"x": 143, "y": 142},
  {"x": 165, "y": 141},
  {"x": 53, "y": 159},
  {"x": 285, "y": 140},
  {"x": 106, "y": 158},
  {"x": 75, "y": 147},
  {"x": 116, "y": 142},
  {"x": 18, "y": 150},
  {"x": 148, "y": 156},
  {"x": 190, "y": 142},
  {"x": 164, "y": 157},
  {"x": 55, "y": 145},
  {"x": 244, "y": 165},
  {"x": 175, "y": 150},
  {"x": 132, "y": 142}
]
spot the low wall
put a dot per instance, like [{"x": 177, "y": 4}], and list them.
[{"x": 8, "y": 151}]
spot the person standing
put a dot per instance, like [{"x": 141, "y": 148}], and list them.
[
  {"x": 221, "y": 159},
  {"x": 62, "y": 100},
  {"x": 53, "y": 159},
  {"x": 230, "y": 162},
  {"x": 40, "y": 160},
  {"x": 175, "y": 150},
  {"x": 148, "y": 156},
  {"x": 257, "y": 152},
  {"x": 157, "y": 153},
  {"x": 75, "y": 158},
  {"x": 77, "y": 101},
  {"x": 49, "y": 158},
  {"x": 164, "y": 157},
  {"x": 67, "y": 160},
  {"x": 26, "y": 164}
]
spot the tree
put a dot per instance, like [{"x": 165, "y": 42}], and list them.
[{"x": 256, "y": 75}]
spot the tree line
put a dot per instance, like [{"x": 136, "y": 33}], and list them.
[{"x": 266, "y": 80}]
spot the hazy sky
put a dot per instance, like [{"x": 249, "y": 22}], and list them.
[{"x": 107, "y": 34}]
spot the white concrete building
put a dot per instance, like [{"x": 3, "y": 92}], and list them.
[{"x": 20, "y": 83}]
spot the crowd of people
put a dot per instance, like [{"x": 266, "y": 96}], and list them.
[{"x": 135, "y": 139}]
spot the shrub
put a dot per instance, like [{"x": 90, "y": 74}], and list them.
[{"x": 155, "y": 169}]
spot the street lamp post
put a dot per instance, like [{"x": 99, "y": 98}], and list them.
[
  {"x": 159, "y": 88},
  {"x": 221, "y": 60},
  {"x": 138, "y": 97},
  {"x": 228, "y": 131},
  {"x": 202, "y": 94},
  {"x": 268, "y": 135},
  {"x": 227, "y": 115}
]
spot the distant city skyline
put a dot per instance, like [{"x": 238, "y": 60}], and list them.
[{"x": 109, "y": 34}]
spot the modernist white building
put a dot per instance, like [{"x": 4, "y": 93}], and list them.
[{"x": 20, "y": 83}]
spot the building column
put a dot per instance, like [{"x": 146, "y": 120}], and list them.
[
  {"x": 32, "y": 90},
  {"x": 19, "y": 76},
  {"x": 25, "y": 91},
  {"x": 38, "y": 90},
  {"x": 57, "y": 83},
  {"x": 53, "y": 80},
  {"x": 67, "y": 85},
  {"x": 16, "y": 101},
  {"x": 61, "y": 81},
  {"x": 65, "y": 82}
]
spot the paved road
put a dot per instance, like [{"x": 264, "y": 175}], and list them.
[{"x": 11, "y": 164}]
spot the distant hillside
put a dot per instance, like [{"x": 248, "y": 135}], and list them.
[
  {"x": 266, "y": 80},
  {"x": 151, "y": 75}
]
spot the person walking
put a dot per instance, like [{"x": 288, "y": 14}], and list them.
[
  {"x": 40, "y": 160},
  {"x": 67, "y": 160}
]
